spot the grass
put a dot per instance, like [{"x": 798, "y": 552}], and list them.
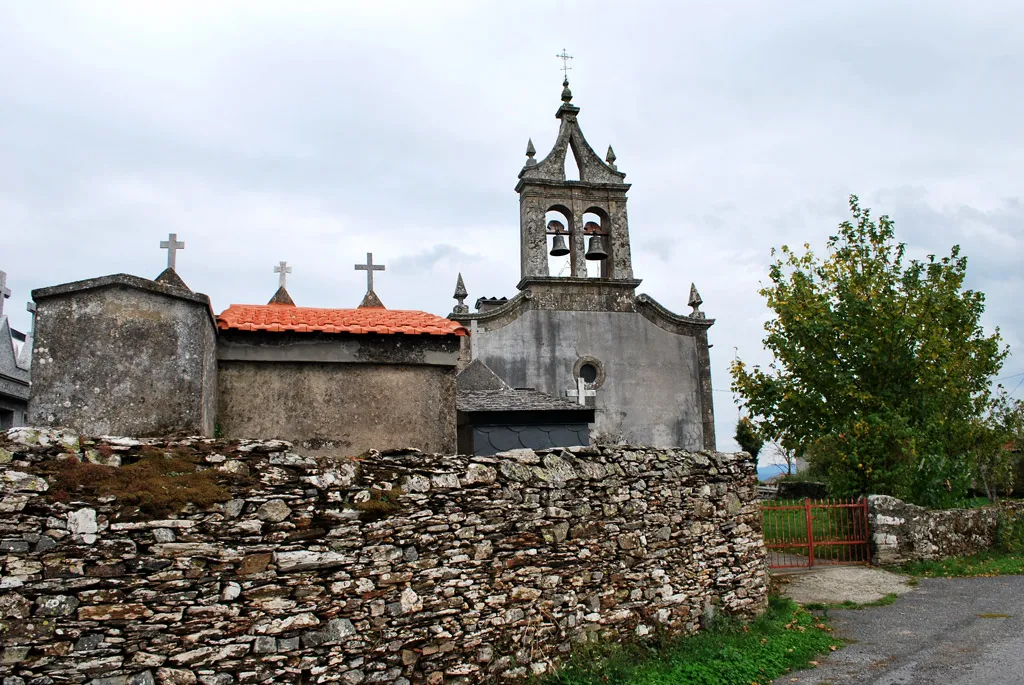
[
  {"x": 785, "y": 638},
  {"x": 990, "y": 563}
]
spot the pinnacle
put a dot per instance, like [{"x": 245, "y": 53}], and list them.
[{"x": 460, "y": 289}]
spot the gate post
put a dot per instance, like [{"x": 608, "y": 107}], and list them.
[{"x": 810, "y": 532}]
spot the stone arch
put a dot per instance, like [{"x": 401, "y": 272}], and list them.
[
  {"x": 561, "y": 265},
  {"x": 598, "y": 215}
]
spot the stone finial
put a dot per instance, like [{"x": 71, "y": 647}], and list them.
[
  {"x": 371, "y": 301},
  {"x": 282, "y": 297},
  {"x": 170, "y": 277},
  {"x": 5, "y": 292},
  {"x": 172, "y": 246},
  {"x": 610, "y": 157},
  {"x": 460, "y": 297},
  {"x": 531, "y": 152},
  {"x": 566, "y": 93},
  {"x": 695, "y": 302}
]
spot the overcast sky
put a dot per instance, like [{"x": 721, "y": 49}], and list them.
[{"x": 315, "y": 132}]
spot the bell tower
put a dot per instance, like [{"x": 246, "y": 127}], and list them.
[{"x": 600, "y": 194}]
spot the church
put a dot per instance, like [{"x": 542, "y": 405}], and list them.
[
  {"x": 15, "y": 365},
  {"x": 576, "y": 356},
  {"x": 584, "y": 333}
]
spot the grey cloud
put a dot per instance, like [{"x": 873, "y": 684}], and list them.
[{"x": 319, "y": 132}]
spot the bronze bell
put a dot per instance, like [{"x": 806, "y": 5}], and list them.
[
  {"x": 558, "y": 247},
  {"x": 595, "y": 251}
]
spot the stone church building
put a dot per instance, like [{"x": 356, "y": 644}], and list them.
[
  {"x": 644, "y": 370},
  {"x": 577, "y": 355}
]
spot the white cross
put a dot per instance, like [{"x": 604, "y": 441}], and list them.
[
  {"x": 5, "y": 292},
  {"x": 582, "y": 392},
  {"x": 171, "y": 245},
  {"x": 284, "y": 270},
  {"x": 30, "y": 307},
  {"x": 369, "y": 268}
]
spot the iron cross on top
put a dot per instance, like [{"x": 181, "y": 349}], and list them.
[
  {"x": 369, "y": 268},
  {"x": 565, "y": 57}
]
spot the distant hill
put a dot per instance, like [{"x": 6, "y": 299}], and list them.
[{"x": 769, "y": 471}]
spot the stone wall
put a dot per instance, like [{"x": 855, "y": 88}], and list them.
[
  {"x": 902, "y": 532},
  {"x": 484, "y": 569}
]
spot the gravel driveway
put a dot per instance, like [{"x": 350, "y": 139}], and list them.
[{"x": 953, "y": 631}]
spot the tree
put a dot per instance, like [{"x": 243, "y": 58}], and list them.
[
  {"x": 996, "y": 439},
  {"x": 880, "y": 368},
  {"x": 748, "y": 437}
]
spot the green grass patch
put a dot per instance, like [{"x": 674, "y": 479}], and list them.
[
  {"x": 991, "y": 563},
  {"x": 785, "y": 638}
]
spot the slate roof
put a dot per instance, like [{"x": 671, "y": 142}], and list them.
[
  {"x": 279, "y": 318},
  {"x": 514, "y": 399}
]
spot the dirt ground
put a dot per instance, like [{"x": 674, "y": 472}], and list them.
[{"x": 838, "y": 584}]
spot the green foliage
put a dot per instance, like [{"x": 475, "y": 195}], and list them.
[
  {"x": 991, "y": 563},
  {"x": 728, "y": 653},
  {"x": 994, "y": 440},
  {"x": 881, "y": 368},
  {"x": 748, "y": 437},
  {"x": 1010, "y": 532}
]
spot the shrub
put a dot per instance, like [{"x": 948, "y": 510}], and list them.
[{"x": 1010, "y": 532}]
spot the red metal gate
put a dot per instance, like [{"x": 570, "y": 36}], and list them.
[{"x": 816, "y": 532}]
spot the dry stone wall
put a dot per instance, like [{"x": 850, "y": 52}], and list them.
[
  {"x": 389, "y": 568},
  {"x": 902, "y": 532}
]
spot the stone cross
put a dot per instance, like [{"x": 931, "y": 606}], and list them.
[
  {"x": 369, "y": 268},
  {"x": 565, "y": 57},
  {"x": 5, "y": 292},
  {"x": 582, "y": 392},
  {"x": 284, "y": 270},
  {"x": 30, "y": 307},
  {"x": 172, "y": 246}
]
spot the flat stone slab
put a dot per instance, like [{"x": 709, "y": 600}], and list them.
[{"x": 838, "y": 584}]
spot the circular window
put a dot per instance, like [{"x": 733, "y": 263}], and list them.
[{"x": 590, "y": 370}]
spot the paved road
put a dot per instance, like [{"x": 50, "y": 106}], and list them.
[{"x": 948, "y": 631}]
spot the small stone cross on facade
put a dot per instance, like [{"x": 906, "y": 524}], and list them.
[
  {"x": 30, "y": 307},
  {"x": 284, "y": 270},
  {"x": 172, "y": 246},
  {"x": 582, "y": 392},
  {"x": 5, "y": 292},
  {"x": 369, "y": 268}
]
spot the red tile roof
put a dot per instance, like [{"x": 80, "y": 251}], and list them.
[{"x": 274, "y": 317}]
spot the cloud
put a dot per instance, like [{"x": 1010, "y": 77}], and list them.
[{"x": 320, "y": 132}]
